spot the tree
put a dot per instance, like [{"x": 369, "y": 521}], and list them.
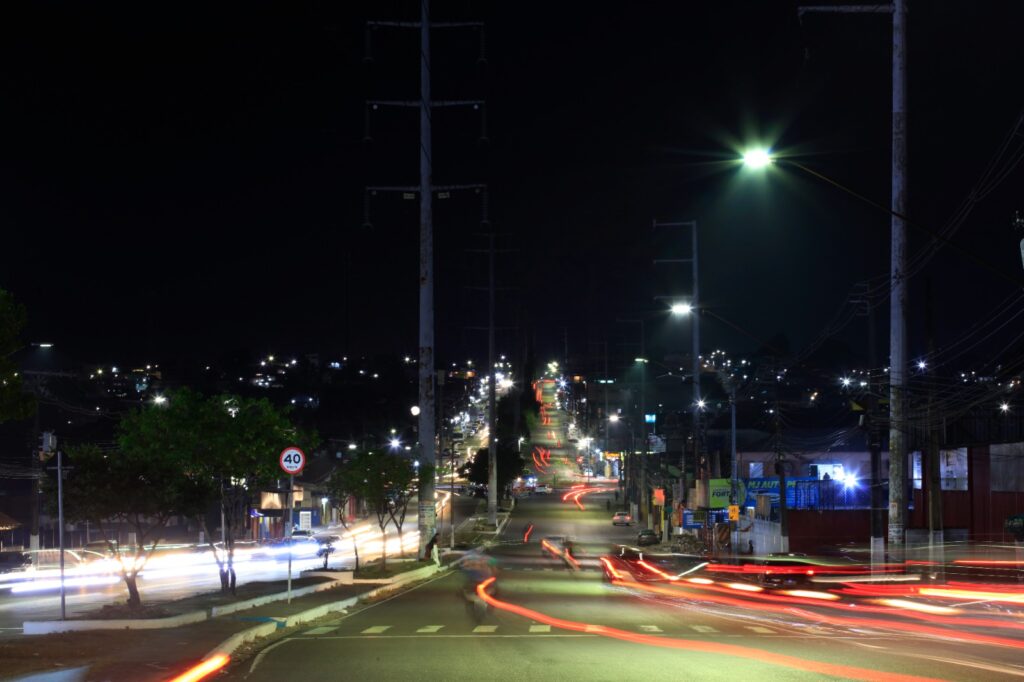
[
  {"x": 380, "y": 480},
  {"x": 510, "y": 460},
  {"x": 141, "y": 489},
  {"x": 15, "y": 404},
  {"x": 226, "y": 445},
  {"x": 341, "y": 492}
]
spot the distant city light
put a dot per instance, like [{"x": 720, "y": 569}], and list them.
[
  {"x": 415, "y": 409},
  {"x": 921, "y": 364},
  {"x": 395, "y": 443},
  {"x": 351, "y": 446},
  {"x": 613, "y": 418},
  {"x": 1004, "y": 407},
  {"x": 46, "y": 345},
  {"x": 846, "y": 381},
  {"x": 158, "y": 400},
  {"x": 701, "y": 403}
]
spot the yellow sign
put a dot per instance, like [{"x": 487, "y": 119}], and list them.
[{"x": 734, "y": 512}]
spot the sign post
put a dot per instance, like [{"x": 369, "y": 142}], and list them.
[{"x": 292, "y": 461}]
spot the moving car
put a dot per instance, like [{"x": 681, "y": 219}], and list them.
[
  {"x": 622, "y": 518},
  {"x": 647, "y": 537},
  {"x": 542, "y": 489}
]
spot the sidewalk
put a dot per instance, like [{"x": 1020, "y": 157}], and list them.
[{"x": 161, "y": 654}]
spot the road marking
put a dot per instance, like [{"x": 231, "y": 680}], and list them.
[
  {"x": 540, "y": 628},
  {"x": 651, "y": 628},
  {"x": 703, "y": 628},
  {"x": 430, "y": 628},
  {"x": 763, "y": 631},
  {"x": 322, "y": 630},
  {"x": 376, "y": 629},
  {"x": 485, "y": 628}
]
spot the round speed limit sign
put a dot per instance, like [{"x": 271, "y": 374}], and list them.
[{"x": 292, "y": 460}]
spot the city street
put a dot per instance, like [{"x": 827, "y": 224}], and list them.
[
  {"x": 428, "y": 633},
  {"x": 549, "y": 622}
]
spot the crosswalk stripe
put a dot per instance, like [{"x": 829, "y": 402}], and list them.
[
  {"x": 651, "y": 628},
  {"x": 322, "y": 631},
  {"x": 703, "y": 628},
  {"x": 376, "y": 629},
  {"x": 540, "y": 628},
  {"x": 430, "y": 628},
  {"x": 758, "y": 628},
  {"x": 485, "y": 628}
]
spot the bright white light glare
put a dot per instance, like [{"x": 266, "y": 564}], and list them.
[
  {"x": 1004, "y": 407},
  {"x": 613, "y": 417},
  {"x": 757, "y": 158},
  {"x": 159, "y": 400},
  {"x": 845, "y": 381},
  {"x": 415, "y": 409},
  {"x": 921, "y": 364},
  {"x": 395, "y": 443},
  {"x": 681, "y": 308},
  {"x": 701, "y": 404},
  {"x": 850, "y": 480},
  {"x": 351, "y": 446}
]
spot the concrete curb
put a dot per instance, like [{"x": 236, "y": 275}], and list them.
[
  {"x": 46, "y": 627},
  {"x": 229, "y": 645},
  {"x": 277, "y": 596}
]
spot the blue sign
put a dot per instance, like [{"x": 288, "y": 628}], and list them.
[{"x": 650, "y": 418}]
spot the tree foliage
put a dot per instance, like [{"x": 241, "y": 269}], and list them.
[
  {"x": 382, "y": 481},
  {"x": 227, "y": 446},
  {"x": 510, "y": 460},
  {"x": 137, "y": 488}
]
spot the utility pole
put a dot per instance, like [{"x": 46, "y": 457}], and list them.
[
  {"x": 492, "y": 447},
  {"x": 427, "y": 512},
  {"x": 426, "y": 521},
  {"x": 898, "y": 291},
  {"x": 695, "y": 321}
]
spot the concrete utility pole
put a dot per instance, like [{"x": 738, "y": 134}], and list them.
[
  {"x": 898, "y": 291},
  {"x": 427, "y": 512},
  {"x": 492, "y": 447},
  {"x": 426, "y": 520},
  {"x": 695, "y": 320}
]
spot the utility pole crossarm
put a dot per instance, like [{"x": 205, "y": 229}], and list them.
[
  {"x": 844, "y": 9},
  {"x": 415, "y": 103}
]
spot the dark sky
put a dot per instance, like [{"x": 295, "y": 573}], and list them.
[{"x": 181, "y": 180}]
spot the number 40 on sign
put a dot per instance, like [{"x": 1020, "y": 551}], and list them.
[{"x": 292, "y": 460}]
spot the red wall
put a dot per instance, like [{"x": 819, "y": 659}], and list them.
[{"x": 809, "y": 530}]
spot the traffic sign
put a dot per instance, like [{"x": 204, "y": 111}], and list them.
[
  {"x": 734, "y": 512},
  {"x": 292, "y": 460}
]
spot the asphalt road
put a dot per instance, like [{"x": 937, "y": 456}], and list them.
[{"x": 557, "y": 624}]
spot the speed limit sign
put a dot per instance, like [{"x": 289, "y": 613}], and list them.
[{"x": 292, "y": 460}]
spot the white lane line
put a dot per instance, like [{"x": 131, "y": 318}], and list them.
[
  {"x": 322, "y": 630},
  {"x": 485, "y": 628},
  {"x": 259, "y": 657},
  {"x": 651, "y": 628},
  {"x": 430, "y": 628},
  {"x": 376, "y": 629},
  {"x": 540, "y": 628},
  {"x": 703, "y": 628},
  {"x": 763, "y": 631}
]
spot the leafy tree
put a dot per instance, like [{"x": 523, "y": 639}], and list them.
[
  {"x": 137, "y": 488},
  {"x": 380, "y": 480},
  {"x": 225, "y": 444},
  {"x": 15, "y": 404},
  {"x": 510, "y": 460}
]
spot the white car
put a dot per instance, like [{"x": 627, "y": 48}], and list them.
[{"x": 542, "y": 490}]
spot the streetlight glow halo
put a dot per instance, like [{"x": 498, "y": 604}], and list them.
[{"x": 757, "y": 158}]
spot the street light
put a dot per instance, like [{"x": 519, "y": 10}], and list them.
[
  {"x": 681, "y": 308},
  {"x": 613, "y": 418},
  {"x": 395, "y": 443},
  {"x": 159, "y": 400},
  {"x": 415, "y": 409},
  {"x": 757, "y": 158}
]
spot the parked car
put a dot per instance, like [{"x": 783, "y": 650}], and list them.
[
  {"x": 622, "y": 518},
  {"x": 647, "y": 537},
  {"x": 542, "y": 489}
]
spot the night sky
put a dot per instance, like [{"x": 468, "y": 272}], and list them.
[{"x": 182, "y": 180}]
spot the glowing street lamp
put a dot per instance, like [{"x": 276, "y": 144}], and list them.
[
  {"x": 395, "y": 443},
  {"x": 415, "y": 409},
  {"x": 757, "y": 158},
  {"x": 159, "y": 400},
  {"x": 613, "y": 418},
  {"x": 681, "y": 308}
]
